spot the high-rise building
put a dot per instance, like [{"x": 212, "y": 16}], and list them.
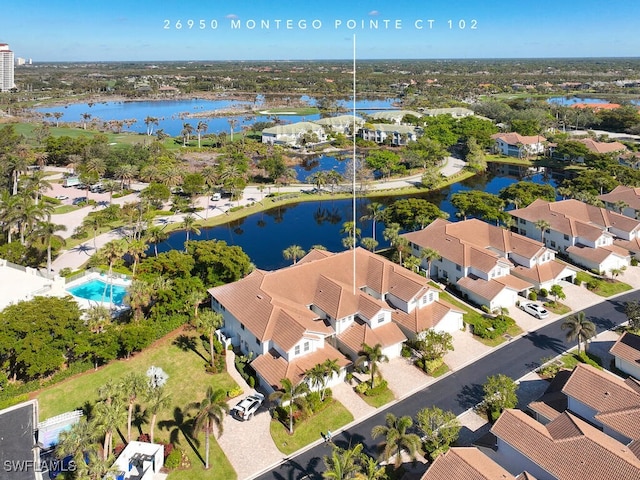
[{"x": 6, "y": 68}]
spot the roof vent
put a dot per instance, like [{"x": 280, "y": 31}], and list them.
[
  {"x": 606, "y": 394},
  {"x": 259, "y": 297}
]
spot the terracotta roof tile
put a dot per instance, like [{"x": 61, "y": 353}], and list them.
[
  {"x": 599, "y": 254},
  {"x": 360, "y": 333},
  {"x": 622, "y": 193},
  {"x": 548, "y": 271},
  {"x": 420, "y": 319},
  {"x": 489, "y": 289},
  {"x": 602, "y": 147},
  {"x": 567, "y": 448},
  {"x": 627, "y": 347},
  {"x": 465, "y": 463},
  {"x": 513, "y": 138}
]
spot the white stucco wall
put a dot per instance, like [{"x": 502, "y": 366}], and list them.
[{"x": 632, "y": 369}]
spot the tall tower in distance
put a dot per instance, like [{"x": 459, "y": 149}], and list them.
[{"x": 6, "y": 68}]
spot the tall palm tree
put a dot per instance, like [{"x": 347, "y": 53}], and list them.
[
  {"x": 139, "y": 296},
  {"x": 110, "y": 186},
  {"x": 109, "y": 416},
  {"x": 232, "y": 124},
  {"x": 294, "y": 252},
  {"x": 16, "y": 164},
  {"x": 200, "y": 129},
  {"x": 291, "y": 394},
  {"x": 57, "y": 116},
  {"x": 543, "y": 226},
  {"x": 133, "y": 386},
  {"x": 156, "y": 399},
  {"x": 342, "y": 464},
  {"x": 27, "y": 215},
  {"x": 111, "y": 252},
  {"x": 36, "y": 184},
  {"x": 47, "y": 232},
  {"x": 372, "y": 356},
  {"x": 375, "y": 213},
  {"x": 187, "y": 130},
  {"x": 189, "y": 226},
  {"x": 85, "y": 118},
  {"x": 211, "y": 411},
  {"x": 396, "y": 438},
  {"x": 155, "y": 235},
  {"x": 94, "y": 222},
  {"x": 316, "y": 376},
  {"x": 96, "y": 318},
  {"x": 429, "y": 254},
  {"x": 136, "y": 248},
  {"x": 370, "y": 469},
  {"x": 126, "y": 172},
  {"x": 209, "y": 321},
  {"x": 578, "y": 326},
  {"x": 8, "y": 207},
  {"x": 150, "y": 121},
  {"x": 392, "y": 235}
]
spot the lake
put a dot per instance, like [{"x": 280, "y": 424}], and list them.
[
  {"x": 171, "y": 113},
  {"x": 263, "y": 236},
  {"x": 572, "y": 100}
]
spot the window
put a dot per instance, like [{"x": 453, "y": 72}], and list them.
[
  {"x": 296, "y": 351},
  {"x": 380, "y": 317},
  {"x": 553, "y": 244},
  {"x": 306, "y": 346},
  {"x": 566, "y": 237},
  {"x": 242, "y": 326},
  {"x": 258, "y": 341},
  {"x": 458, "y": 268},
  {"x": 522, "y": 221}
]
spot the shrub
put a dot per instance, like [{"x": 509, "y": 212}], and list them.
[
  {"x": 252, "y": 382},
  {"x": 235, "y": 392},
  {"x": 577, "y": 281},
  {"x": 362, "y": 387},
  {"x": 544, "y": 293},
  {"x": 144, "y": 438},
  {"x": 431, "y": 366},
  {"x": 174, "y": 459},
  {"x": 485, "y": 309},
  {"x": 533, "y": 296},
  {"x": 634, "y": 262},
  {"x": 118, "y": 450},
  {"x": 377, "y": 390},
  {"x": 314, "y": 402},
  {"x": 168, "y": 448},
  {"x": 405, "y": 352},
  {"x": 592, "y": 284}
]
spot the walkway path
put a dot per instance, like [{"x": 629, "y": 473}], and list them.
[{"x": 75, "y": 257}]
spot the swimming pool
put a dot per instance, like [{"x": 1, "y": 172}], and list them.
[{"x": 98, "y": 291}]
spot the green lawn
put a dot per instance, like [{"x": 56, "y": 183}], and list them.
[
  {"x": 27, "y": 129},
  {"x": 332, "y": 417},
  {"x": 384, "y": 397},
  {"x": 509, "y": 160},
  {"x": 557, "y": 308},
  {"x": 605, "y": 287},
  {"x": 65, "y": 209},
  {"x": 187, "y": 383}
]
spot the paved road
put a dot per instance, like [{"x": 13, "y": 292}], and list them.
[{"x": 460, "y": 390}]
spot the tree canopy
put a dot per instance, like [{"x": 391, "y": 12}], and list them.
[
  {"x": 412, "y": 213},
  {"x": 523, "y": 194}
]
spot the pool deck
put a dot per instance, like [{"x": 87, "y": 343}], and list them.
[{"x": 117, "y": 281}]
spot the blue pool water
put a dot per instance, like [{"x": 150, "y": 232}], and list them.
[{"x": 95, "y": 289}]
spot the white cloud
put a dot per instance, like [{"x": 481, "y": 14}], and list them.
[
  {"x": 374, "y": 13},
  {"x": 232, "y": 16}
]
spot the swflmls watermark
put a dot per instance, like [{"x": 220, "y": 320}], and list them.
[
  {"x": 15, "y": 466},
  {"x": 317, "y": 24}
]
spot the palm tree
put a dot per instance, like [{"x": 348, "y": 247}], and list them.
[
  {"x": 77, "y": 440},
  {"x": 150, "y": 122},
  {"x": 211, "y": 411},
  {"x": 97, "y": 317},
  {"x": 85, "y": 118},
  {"x": 133, "y": 386},
  {"x": 126, "y": 172},
  {"x": 156, "y": 399},
  {"x": 232, "y": 124},
  {"x": 543, "y": 226},
  {"x": 112, "y": 252},
  {"x": 375, "y": 213},
  {"x": 369, "y": 243},
  {"x": 349, "y": 228},
  {"x": 294, "y": 252},
  {"x": 137, "y": 249},
  {"x": 36, "y": 184},
  {"x": 57, "y": 116},
  {"x": 343, "y": 463},
  {"x": 209, "y": 321},
  {"x": 156, "y": 235},
  {"x": 139, "y": 296},
  {"x": 47, "y": 232},
  {"x": 392, "y": 235},
  {"x": 94, "y": 222},
  {"x": 578, "y": 326},
  {"x": 396, "y": 437},
  {"x": 109, "y": 416},
  {"x": 316, "y": 376},
  {"x": 429, "y": 254},
  {"x": 291, "y": 394},
  {"x": 110, "y": 186},
  {"x": 370, "y": 469},
  {"x": 189, "y": 226},
  {"x": 187, "y": 130},
  {"x": 200, "y": 129},
  {"x": 372, "y": 356}
]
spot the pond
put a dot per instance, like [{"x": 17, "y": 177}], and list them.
[
  {"x": 572, "y": 100},
  {"x": 171, "y": 113},
  {"x": 263, "y": 236}
]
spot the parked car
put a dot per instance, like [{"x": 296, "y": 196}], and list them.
[
  {"x": 62, "y": 197},
  {"x": 216, "y": 196},
  {"x": 79, "y": 200},
  {"x": 245, "y": 409},
  {"x": 534, "y": 309}
]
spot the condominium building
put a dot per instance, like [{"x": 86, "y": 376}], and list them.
[{"x": 6, "y": 68}]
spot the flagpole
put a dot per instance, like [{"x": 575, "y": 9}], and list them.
[{"x": 353, "y": 186}]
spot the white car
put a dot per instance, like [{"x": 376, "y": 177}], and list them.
[
  {"x": 62, "y": 197},
  {"x": 534, "y": 309},
  {"x": 245, "y": 409}
]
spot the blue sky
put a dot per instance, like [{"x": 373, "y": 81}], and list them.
[{"x": 118, "y": 30}]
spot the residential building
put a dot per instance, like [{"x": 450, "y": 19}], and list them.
[
  {"x": 138, "y": 461},
  {"x": 613, "y": 149},
  {"x": 467, "y": 463},
  {"x": 6, "y": 68},
  {"x": 388, "y": 133},
  {"x": 296, "y": 317},
  {"x": 489, "y": 265},
  {"x": 626, "y": 352},
  {"x": 24, "y": 283},
  {"x": 342, "y": 123},
  {"x": 293, "y": 134},
  {"x": 630, "y": 159},
  {"x": 624, "y": 200},
  {"x": 455, "y": 112},
  {"x": 395, "y": 116},
  {"x": 566, "y": 448},
  {"x": 515, "y": 145},
  {"x": 583, "y": 232},
  {"x": 18, "y": 443}
]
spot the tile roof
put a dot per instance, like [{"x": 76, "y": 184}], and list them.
[
  {"x": 473, "y": 242},
  {"x": 489, "y": 289},
  {"x": 360, "y": 333},
  {"x": 599, "y": 254},
  {"x": 567, "y": 216},
  {"x": 420, "y": 319},
  {"x": 601, "y": 147},
  {"x": 567, "y": 448},
  {"x": 465, "y": 463},
  {"x": 513, "y": 138},
  {"x": 321, "y": 278},
  {"x": 273, "y": 367},
  {"x": 622, "y": 193},
  {"x": 617, "y": 403},
  {"x": 627, "y": 347},
  {"x": 548, "y": 271}
]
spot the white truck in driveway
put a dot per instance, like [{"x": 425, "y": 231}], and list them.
[{"x": 247, "y": 407}]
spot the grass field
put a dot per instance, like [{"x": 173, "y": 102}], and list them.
[
  {"x": 187, "y": 383},
  {"x": 332, "y": 417},
  {"x": 604, "y": 287}
]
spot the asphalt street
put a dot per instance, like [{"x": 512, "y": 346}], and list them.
[{"x": 462, "y": 389}]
